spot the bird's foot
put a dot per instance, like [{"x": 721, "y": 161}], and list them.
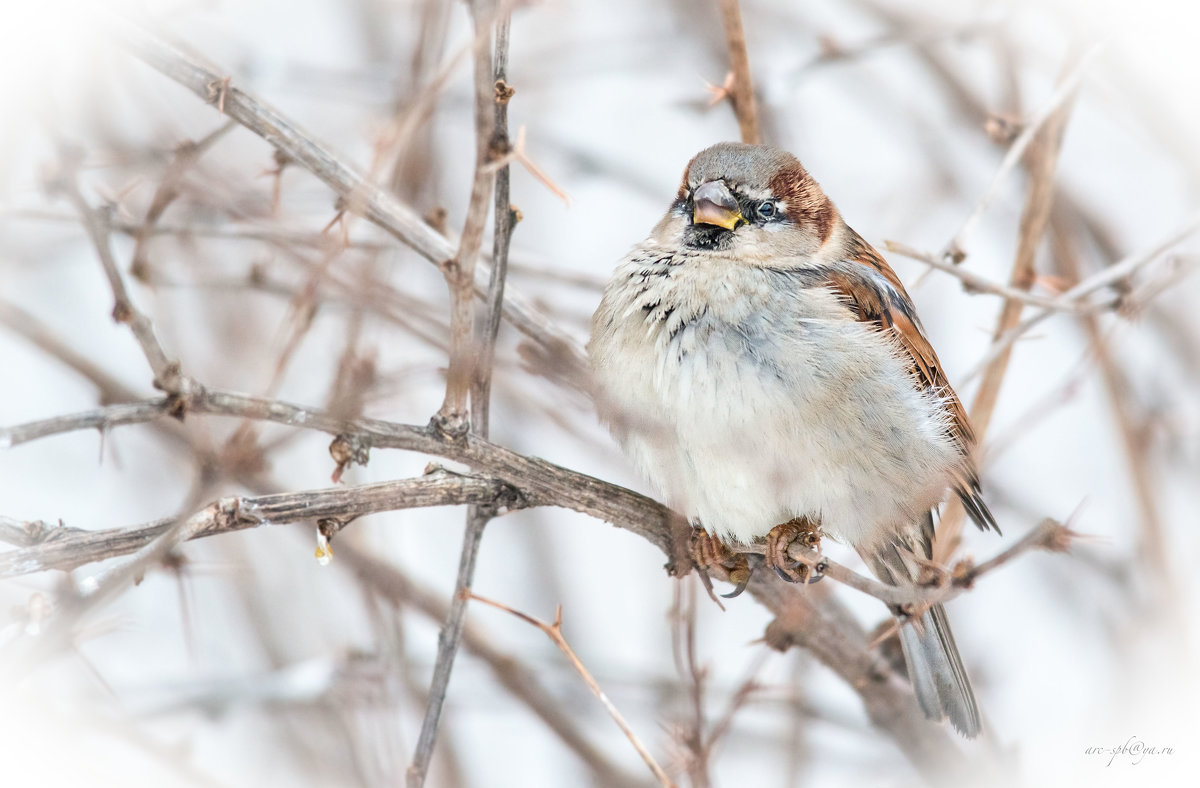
[
  {"x": 781, "y": 537},
  {"x": 710, "y": 553}
]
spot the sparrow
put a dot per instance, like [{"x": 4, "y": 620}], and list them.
[{"x": 765, "y": 369}]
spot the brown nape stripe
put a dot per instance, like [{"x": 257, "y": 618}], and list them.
[
  {"x": 822, "y": 219},
  {"x": 807, "y": 205}
]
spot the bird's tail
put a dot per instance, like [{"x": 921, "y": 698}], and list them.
[
  {"x": 934, "y": 665},
  {"x": 937, "y": 673}
]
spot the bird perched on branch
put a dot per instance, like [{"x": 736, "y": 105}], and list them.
[{"x": 764, "y": 367}]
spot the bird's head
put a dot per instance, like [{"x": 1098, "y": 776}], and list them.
[{"x": 752, "y": 203}]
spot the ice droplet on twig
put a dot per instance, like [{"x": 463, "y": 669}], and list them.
[{"x": 324, "y": 552}]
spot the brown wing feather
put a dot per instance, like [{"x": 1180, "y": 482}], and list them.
[{"x": 887, "y": 305}]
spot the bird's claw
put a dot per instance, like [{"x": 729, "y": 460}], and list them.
[
  {"x": 739, "y": 576},
  {"x": 710, "y": 553},
  {"x": 781, "y": 537}
]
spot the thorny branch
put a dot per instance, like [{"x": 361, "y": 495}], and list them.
[
  {"x": 947, "y": 584},
  {"x": 470, "y": 369},
  {"x": 534, "y": 477},
  {"x": 532, "y": 482},
  {"x": 460, "y": 269},
  {"x": 357, "y": 193},
  {"x": 166, "y": 371},
  {"x": 1047, "y": 139},
  {"x": 391, "y": 583},
  {"x": 1114, "y": 274},
  {"x": 974, "y": 283},
  {"x": 554, "y": 632},
  {"x": 168, "y": 190},
  {"x": 58, "y": 547},
  {"x": 955, "y": 251}
]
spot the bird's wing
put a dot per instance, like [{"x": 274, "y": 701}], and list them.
[{"x": 873, "y": 292}]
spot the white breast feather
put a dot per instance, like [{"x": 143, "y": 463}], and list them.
[{"x": 748, "y": 403}]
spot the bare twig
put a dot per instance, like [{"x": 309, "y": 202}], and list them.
[
  {"x": 470, "y": 368},
  {"x": 554, "y": 632},
  {"x": 358, "y": 194},
  {"x": 169, "y": 188},
  {"x": 27, "y": 652},
  {"x": 955, "y": 251},
  {"x": 66, "y": 548},
  {"x": 1034, "y": 219},
  {"x": 835, "y": 51},
  {"x": 166, "y": 371},
  {"x": 535, "y": 477},
  {"x": 1048, "y": 535},
  {"x": 974, "y": 283},
  {"x": 505, "y": 218},
  {"x": 741, "y": 89},
  {"x": 683, "y": 647},
  {"x": 834, "y": 637},
  {"x": 1133, "y": 435},
  {"x": 747, "y": 688},
  {"x": 25, "y": 324},
  {"x": 391, "y": 583},
  {"x": 459, "y": 270},
  {"x": 1112, "y": 275},
  {"x": 102, "y": 419}
]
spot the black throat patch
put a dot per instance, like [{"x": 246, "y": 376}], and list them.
[{"x": 707, "y": 236}]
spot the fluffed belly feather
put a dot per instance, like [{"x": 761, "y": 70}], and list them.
[{"x": 743, "y": 425}]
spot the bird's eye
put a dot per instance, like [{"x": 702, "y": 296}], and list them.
[{"x": 766, "y": 210}]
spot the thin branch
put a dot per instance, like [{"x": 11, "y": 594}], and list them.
[
  {"x": 103, "y": 419},
  {"x": 166, "y": 371},
  {"x": 1035, "y": 218},
  {"x": 523, "y": 683},
  {"x": 554, "y": 632},
  {"x": 27, "y": 325},
  {"x": 747, "y": 688},
  {"x": 741, "y": 88},
  {"x": 460, "y": 269},
  {"x": 974, "y": 283},
  {"x": 817, "y": 622},
  {"x": 356, "y": 192},
  {"x": 1113, "y": 274},
  {"x": 470, "y": 371},
  {"x": 536, "y": 478},
  {"x": 1047, "y": 535},
  {"x": 834, "y": 51},
  {"x": 955, "y": 251},
  {"x": 108, "y": 387},
  {"x": 66, "y": 548},
  {"x": 28, "y": 652},
  {"x": 505, "y": 218},
  {"x": 1133, "y": 436},
  {"x": 187, "y": 154}
]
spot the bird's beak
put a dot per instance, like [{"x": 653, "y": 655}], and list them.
[{"x": 715, "y": 204}]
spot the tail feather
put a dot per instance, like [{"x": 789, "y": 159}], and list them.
[
  {"x": 934, "y": 666},
  {"x": 937, "y": 673}
]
